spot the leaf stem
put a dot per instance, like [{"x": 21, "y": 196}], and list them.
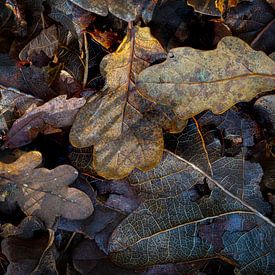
[{"x": 86, "y": 67}]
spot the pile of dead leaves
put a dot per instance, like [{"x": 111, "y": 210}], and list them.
[{"x": 137, "y": 137}]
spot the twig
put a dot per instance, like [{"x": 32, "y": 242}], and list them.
[{"x": 86, "y": 67}]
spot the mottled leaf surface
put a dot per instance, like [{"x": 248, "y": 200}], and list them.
[
  {"x": 191, "y": 81},
  {"x": 41, "y": 192}
]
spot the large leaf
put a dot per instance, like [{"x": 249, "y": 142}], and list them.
[
  {"x": 113, "y": 120},
  {"x": 127, "y": 10},
  {"x": 168, "y": 226},
  {"x": 192, "y": 81},
  {"x": 41, "y": 192}
]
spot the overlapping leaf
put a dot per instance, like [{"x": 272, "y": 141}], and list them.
[
  {"x": 213, "y": 7},
  {"x": 41, "y": 192},
  {"x": 114, "y": 120},
  {"x": 46, "y": 41},
  {"x": 123, "y": 9},
  {"x": 191, "y": 81},
  {"x": 48, "y": 118},
  {"x": 166, "y": 226}
]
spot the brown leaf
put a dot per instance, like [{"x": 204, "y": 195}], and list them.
[
  {"x": 44, "y": 193},
  {"x": 46, "y": 41},
  {"x": 213, "y": 7},
  {"x": 27, "y": 253},
  {"x": 265, "y": 110},
  {"x": 254, "y": 23},
  {"x": 127, "y": 10},
  {"x": 46, "y": 119},
  {"x": 113, "y": 120},
  {"x": 191, "y": 81}
]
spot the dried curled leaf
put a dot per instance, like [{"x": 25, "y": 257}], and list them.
[
  {"x": 46, "y": 41},
  {"x": 113, "y": 120},
  {"x": 48, "y": 118},
  {"x": 168, "y": 226},
  {"x": 127, "y": 10},
  {"x": 191, "y": 81},
  {"x": 41, "y": 192}
]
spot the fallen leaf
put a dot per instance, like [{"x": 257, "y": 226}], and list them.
[
  {"x": 191, "y": 81},
  {"x": 46, "y": 41},
  {"x": 213, "y": 7},
  {"x": 265, "y": 110},
  {"x": 27, "y": 253},
  {"x": 48, "y": 118},
  {"x": 253, "y": 22},
  {"x": 165, "y": 227},
  {"x": 113, "y": 120},
  {"x": 126, "y": 10},
  {"x": 28, "y": 79},
  {"x": 44, "y": 193}
]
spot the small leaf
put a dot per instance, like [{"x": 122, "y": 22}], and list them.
[
  {"x": 192, "y": 81},
  {"x": 46, "y": 41},
  {"x": 44, "y": 193}
]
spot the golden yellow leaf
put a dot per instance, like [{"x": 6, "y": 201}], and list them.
[{"x": 118, "y": 121}]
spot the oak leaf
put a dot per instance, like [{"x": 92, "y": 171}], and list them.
[
  {"x": 127, "y": 10},
  {"x": 48, "y": 118},
  {"x": 114, "y": 120},
  {"x": 41, "y": 192},
  {"x": 191, "y": 81}
]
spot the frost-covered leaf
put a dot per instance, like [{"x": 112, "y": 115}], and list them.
[
  {"x": 41, "y": 192},
  {"x": 191, "y": 81}
]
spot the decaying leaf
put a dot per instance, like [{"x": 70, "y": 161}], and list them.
[
  {"x": 113, "y": 120},
  {"x": 46, "y": 41},
  {"x": 265, "y": 109},
  {"x": 28, "y": 254},
  {"x": 191, "y": 81},
  {"x": 127, "y": 10},
  {"x": 41, "y": 192},
  {"x": 213, "y": 7},
  {"x": 253, "y": 22},
  {"x": 57, "y": 113},
  {"x": 166, "y": 226}
]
